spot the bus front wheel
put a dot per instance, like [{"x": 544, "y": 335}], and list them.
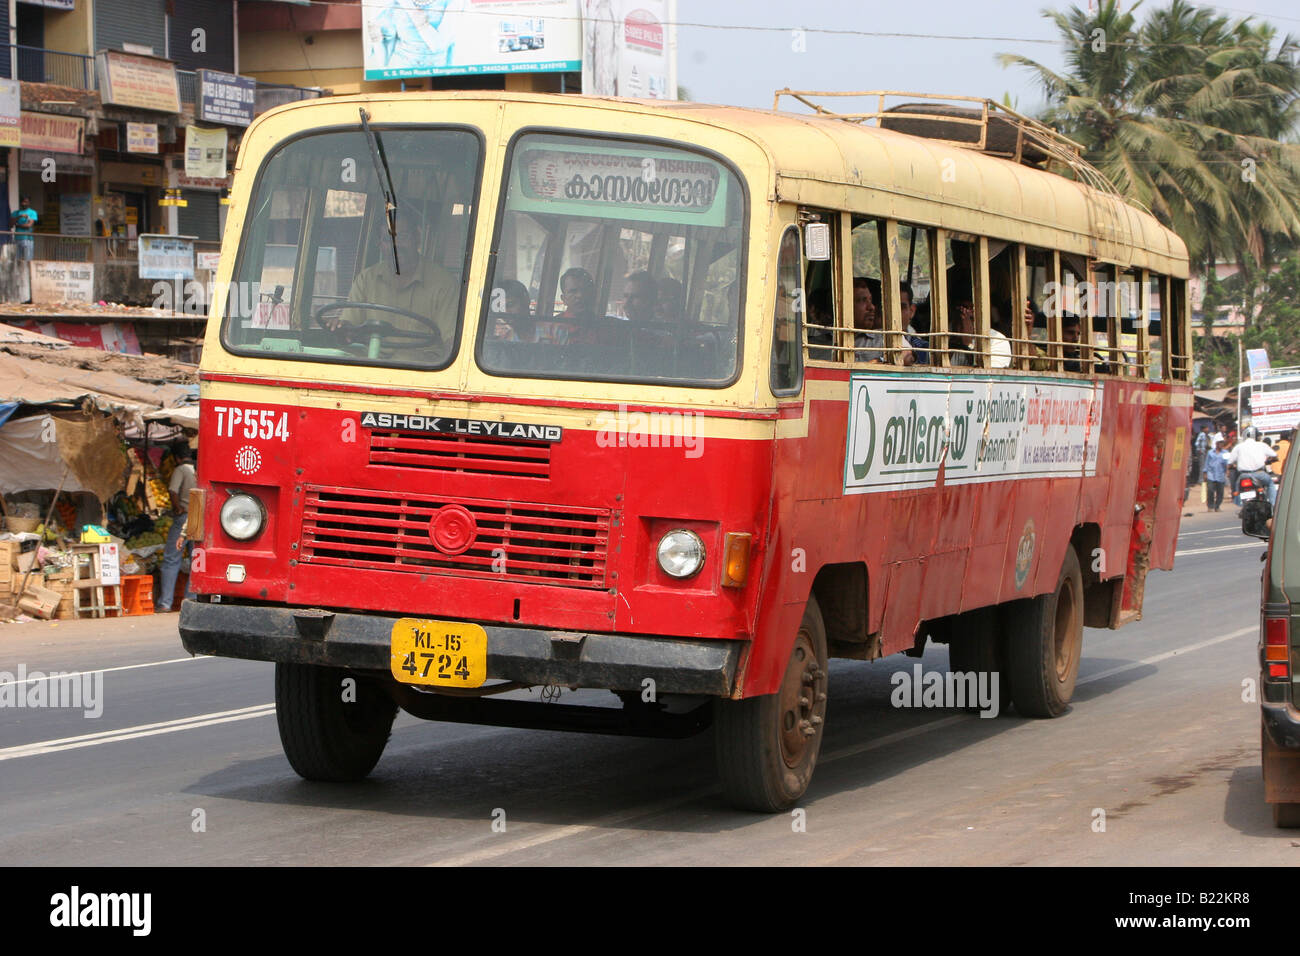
[
  {"x": 333, "y": 725},
  {"x": 1045, "y": 643},
  {"x": 767, "y": 746}
]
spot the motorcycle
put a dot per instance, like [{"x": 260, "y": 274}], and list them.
[{"x": 1256, "y": 512}]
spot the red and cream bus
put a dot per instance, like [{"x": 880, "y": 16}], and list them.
[{"x": 506, "y": 391}]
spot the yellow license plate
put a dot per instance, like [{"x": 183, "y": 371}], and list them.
[{"x": 440, "y": 653}]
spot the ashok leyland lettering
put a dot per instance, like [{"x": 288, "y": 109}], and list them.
[{"x": 525, "y": 393}]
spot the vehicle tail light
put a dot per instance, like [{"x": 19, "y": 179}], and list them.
[
  {"x": 1277, "y": 647},
  {"x": 1247, "y": 485},
  {"x": 735, "y": 558}
]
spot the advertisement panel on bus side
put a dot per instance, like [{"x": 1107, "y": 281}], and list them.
[{"x": 904, "y": 429}]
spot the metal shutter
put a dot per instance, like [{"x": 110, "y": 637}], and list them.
[
  {"x": 216, "y": 17},
  {"x": 142, "y": 22},
  {"x": 202, "y": 217}
]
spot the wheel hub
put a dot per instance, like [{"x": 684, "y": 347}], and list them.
[
  {"x": 1066, "y": 628},
  {"x": 803, "y": 702}
]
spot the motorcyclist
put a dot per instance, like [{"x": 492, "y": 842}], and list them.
[{"x": 1250, "y": 456}]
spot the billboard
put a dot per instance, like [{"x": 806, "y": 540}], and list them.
[
  {"x": 629, "y": 48},
  {"x": 411, "y": 38}
]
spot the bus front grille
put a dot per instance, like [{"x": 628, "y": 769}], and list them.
[
  {"x": 461, "y": 453},
  {"x": 511, "y": 541}
]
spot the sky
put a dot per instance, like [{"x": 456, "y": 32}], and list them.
[{"x": 733, "y": 62}]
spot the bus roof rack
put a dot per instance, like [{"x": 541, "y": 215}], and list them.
[{"x": 966, "y": 121}]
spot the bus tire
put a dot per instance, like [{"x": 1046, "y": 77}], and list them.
[
  {"x": 977, "y": 644},
  {"x": 767, "y": 746},
  {"x": 1044, "y": 644},
  {"x": 324, "y": 736}
]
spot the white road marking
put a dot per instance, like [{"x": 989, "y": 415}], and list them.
[
  {"x": 106, "y": 670},
  {"x": 140, "y": 730},
  {"x": 1188, "y": 534},
  {"x": 1223, "y": 547},
  {"x": 1157, "y": 658}
]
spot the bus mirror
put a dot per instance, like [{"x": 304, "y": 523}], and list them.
[{"x": 817, "y": 241}]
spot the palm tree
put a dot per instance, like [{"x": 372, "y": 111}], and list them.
[{"x": 1183, "y": 114}]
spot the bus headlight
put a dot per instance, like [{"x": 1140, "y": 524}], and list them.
[
  {"x": 242, "y": 517},
  {"x": 681, "y": 553}
]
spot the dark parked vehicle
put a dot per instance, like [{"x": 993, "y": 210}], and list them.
[{"x": 1279, "y": 648}]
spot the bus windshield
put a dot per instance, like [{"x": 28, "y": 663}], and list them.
[
  {"x": 321, "y": 275},
  {"x": 615, "y": 260}
]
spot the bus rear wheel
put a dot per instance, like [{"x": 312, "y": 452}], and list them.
[
  {"x": 331, "y": 731},
  {"x": 1045, "y": 643},
  {"x": 767, "y": 746}
]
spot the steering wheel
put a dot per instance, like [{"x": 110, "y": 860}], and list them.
[{"x": 378, "y": 326}]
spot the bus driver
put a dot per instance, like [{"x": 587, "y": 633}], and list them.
[{"x": 422, "y": 286}]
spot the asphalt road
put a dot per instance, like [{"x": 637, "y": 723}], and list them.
[{"x": 1159, "y": 738}]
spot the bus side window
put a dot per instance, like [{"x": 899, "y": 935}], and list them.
[
  {"x": 1154, "y": 299},
  {"x": 914, "y": 284},
  {"x": 819, "y": 286},
  {"x": 1128, "y": 320},
  {"x": 864, "y": 304},
  {"x": 1076, "y": 315},
  {"x": 1176, "y": 343},
  {"x": 787, "y": 360},
  {"x": 960, "y": 255}
]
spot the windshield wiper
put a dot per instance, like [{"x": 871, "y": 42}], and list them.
[{"x": 385, "y": 184}]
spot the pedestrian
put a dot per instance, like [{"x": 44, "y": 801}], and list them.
[
  {"x": 1216, "y": 472},
  {"x": 1200, "y": 449},
  {"x": 21, "y": 223},
  {"x": 183, "y": 480}
]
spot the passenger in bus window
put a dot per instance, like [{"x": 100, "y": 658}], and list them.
[
  {"x": 820, "y": 317},
  {"x": 908, "y": 309},
  {"x": 962, "y": 321},
  {"x": 868, "y": 339},
  {"x": 577, "y": 324},
  {"x": 671, "y": 307},
  {"x": 999, "y": 338},
  {"x": 640, "y": 297},
  {"x": 514, "y": 323},
  {"x": 578, "y": 293}
]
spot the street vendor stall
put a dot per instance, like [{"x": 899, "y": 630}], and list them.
[{"x": 83, "y": 476}]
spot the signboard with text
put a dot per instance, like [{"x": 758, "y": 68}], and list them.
[
  {"x": 628, "y": 49},
  {"x": 166, "y": 257},
  {"x": 405, "y": 38},
  {"x": 646, "y": 184},
  {"x": 205, "y": 152},
  {"x": 904, "y": 431},
  {"x": 10, "y": 112},
  {"x": 142, "y": 137},
  {"x": 53, "y": 134},
  {"x": 142, "y": 81},
  {"x": 62, "y": 281},
  {"x": 225, "y": 98}
]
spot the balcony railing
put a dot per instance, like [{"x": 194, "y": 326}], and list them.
[{"x": 38, "y": 65}]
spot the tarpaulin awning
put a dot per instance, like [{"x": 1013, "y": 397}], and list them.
[{"x": 35, "y": 451}]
